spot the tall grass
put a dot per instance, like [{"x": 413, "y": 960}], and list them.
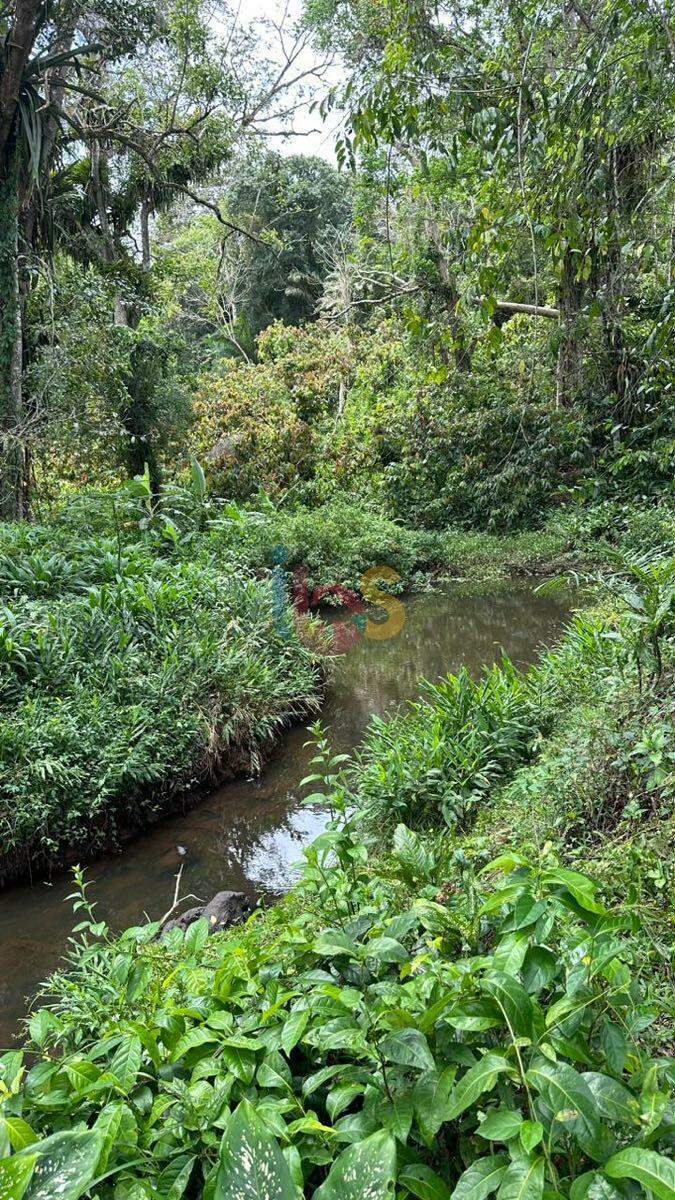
[{"x": 125, "y": 679}]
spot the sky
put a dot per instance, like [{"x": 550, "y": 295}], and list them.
[{"x": 312, "y": 136}]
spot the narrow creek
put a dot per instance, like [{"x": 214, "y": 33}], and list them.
[{"x": 249, "y": 835}]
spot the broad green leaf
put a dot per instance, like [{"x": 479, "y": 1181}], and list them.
[
  {"x": 475, "y": 1016},
  {"x": 565, "y": 1092},
  {"x": 513, "y": 1001},
  {"x": 478, "y": 1079},
  {"x": 654, "y": 1171},
  {"x": 274, "y": 1072},
  {"x": 531, "y": 1133},
  {"x": 409, "y": 1048},
  {"x": 386, "y": 950},
  {"x": 615, "y": 1046},
  {"x": 410, "y": 851},
  {"x": 540, "y": 968},
  {"x": 340, "y": 1097},
  {"x": 15, "y": 1176},
  {"x": 117, "y": 1126},
  {"x": 582, "y": 889},
  {"x": 525, "y": 912},
  {"x": 126, "y": 1062},
  {"x": 252, "y": 1166},
  {"x": 365, "y": 1169},
  {"x": 18, "y": 1131},
  {"x": 67, "y": 1164},
  {"x": 332, "y": 943},
  {"x": 481, "y": 1179},
  {"x": 175, "y": 1177},
  {"x": 293, "y": 1029},
  {"x": 500, "y": 1125},
  {"x": 614, "y": 1101},
  {"x": 396, "y": 1115},
  {"x": 510, "y": 953},
  {"x": 430, "y": 1099},
  {"x": 524, "y": 1180},
  {"x": 313, "y": 1082},
  {"x": 192, "y": 1040},
  {"x": 424, "y": 1183},
  {"x": 239, "y": 1061}
]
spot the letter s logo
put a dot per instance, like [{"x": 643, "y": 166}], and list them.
[{"x": 382, "y": 631}]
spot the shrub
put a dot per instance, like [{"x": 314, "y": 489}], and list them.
[
  {"x": 440, "y": 756},
  {"x": 126, "y": 678},
  {"x": 370, "y": 1041}
]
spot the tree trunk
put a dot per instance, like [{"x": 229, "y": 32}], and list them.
[
  {"x": 570, "y": 366},
  {"x": 14, "y": 56},
  {"x": 11, "y": 344}
]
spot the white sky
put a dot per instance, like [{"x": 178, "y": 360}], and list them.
[{"x": 313, "y": 137}]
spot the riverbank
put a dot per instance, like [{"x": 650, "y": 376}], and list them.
[
  {"x": 158, "y": 653},
  {"x": 127, "y": 681},
  {"x": 412, "y": 987}
]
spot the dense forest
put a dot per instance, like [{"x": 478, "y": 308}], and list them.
[{"x": 310, "y": 311}]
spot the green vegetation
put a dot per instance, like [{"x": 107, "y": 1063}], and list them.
[
  {"x": 435, "y": 1019},
  {"x": 448, "y": 357},
  {"x": 130, "y": 673}
]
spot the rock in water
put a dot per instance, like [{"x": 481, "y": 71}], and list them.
[{"x": 226, "y": 909}]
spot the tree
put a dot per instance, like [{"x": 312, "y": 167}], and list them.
[
  {"x": 156, "y": 106},
  {"x": 561, "y": 118},
  {"x": 42, "y": 46}
]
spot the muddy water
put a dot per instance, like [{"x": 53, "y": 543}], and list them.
[{"x": 248, "y": 835}]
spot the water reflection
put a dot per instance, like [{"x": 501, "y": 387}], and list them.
[{"x": 249, "y": 834}]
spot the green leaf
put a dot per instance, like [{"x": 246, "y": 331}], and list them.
[
  {"x": 565, "y": 1092},
  {"x": 332, "y": 943},
  {"x": 340, "y": 1097},
  {"x": 175, "y": 1177},
  {"x": 478, "y": 1079},
  {"x": 117, "y": 1126},
  {"x": 524, "y": 1180},
  {"x": 614, "y": 1101},
  {"x": 409, "y": 1048},
  {"x": 66, "y": 1165},
  {"x": 293, "y": 1029},
  {"x": 366, "y": 1169},
  {"x": 531, "y": 1133},
  {"x": 198, "y": 478},
  {"x": 192, "y": 1040},
  {"x": 15, "y": 1176},
  {"x": 409, "y": 850},
  {"x": 126, "y": 1062},
  {"x": 396, "y": 1115},
  {"x": 421, "y": 1181},
  {"x": 581, "y": 888},
  {"x": 654, "y": 1171},
  {"x": 239, "y": 1061},
  {"x": 18, "y": 1131},
  {"x": 512, "y": 999},
  {"x": 252, "y": 1166},
  {"x": 430, "y": 1098},
  {"x": 500, "y": 1125},
  {"x": 313, "y": 1082},
  {"x": 540, "y": 968},
  {"x": 386, "y": 950},
  {"x": 481, "y": 1179}
]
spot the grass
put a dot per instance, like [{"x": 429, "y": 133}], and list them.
[{"x": 127, "y": 679}]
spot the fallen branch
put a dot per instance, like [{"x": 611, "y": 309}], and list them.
[
  {"x": 178, "y": 899},
  {"x": 530, "y": 310}
]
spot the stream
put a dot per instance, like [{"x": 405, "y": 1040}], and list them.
[{"x": 248, "y": 835}]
